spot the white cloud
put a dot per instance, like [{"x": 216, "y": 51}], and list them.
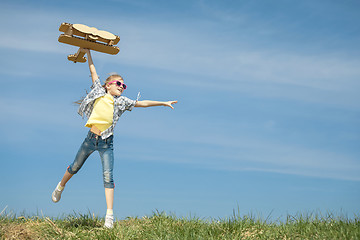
[
  {"x": 276, "y": 72},
  {"x": 189, "y": 51},
  {"x": 28, "y": 29},
  {"x": 200, "y": 145},
  {"x": 192, "y": 143}
]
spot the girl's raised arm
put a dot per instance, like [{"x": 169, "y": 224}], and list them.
[{"x": 94, "y": 75}]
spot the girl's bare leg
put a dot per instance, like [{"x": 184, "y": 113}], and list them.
[
  {"x": 65, "y": 178},
  {"x": 109, "y": 218},
  {"x": 109, "y": 195}
]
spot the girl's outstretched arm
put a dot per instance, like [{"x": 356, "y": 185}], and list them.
[
  {"x": 149, "y": 103},
  {"x": 94, "y": 75}
]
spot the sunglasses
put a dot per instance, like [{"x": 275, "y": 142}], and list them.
[{"x": 119, "y": 84}]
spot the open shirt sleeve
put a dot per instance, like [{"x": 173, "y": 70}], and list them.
[{"x": 128, "y": 103}]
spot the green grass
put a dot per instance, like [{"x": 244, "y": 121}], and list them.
[{"x": 163, "y": 226}]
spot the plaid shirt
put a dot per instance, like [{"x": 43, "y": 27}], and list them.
[{"x": 121, "y": 104}]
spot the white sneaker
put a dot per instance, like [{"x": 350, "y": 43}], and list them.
[
  {"x": 56, "y": 195},
  {"x": 109, "y": 221}
]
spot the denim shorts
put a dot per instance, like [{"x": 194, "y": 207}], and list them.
[{"x": 105, "y": 148}]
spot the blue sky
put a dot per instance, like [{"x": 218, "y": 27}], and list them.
[{"x": 267, "y": 119}]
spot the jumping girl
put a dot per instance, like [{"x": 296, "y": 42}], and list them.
[{"x": 103, "y": 106}]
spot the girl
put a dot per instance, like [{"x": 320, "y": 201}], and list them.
[{"x": 103, "y": 106}]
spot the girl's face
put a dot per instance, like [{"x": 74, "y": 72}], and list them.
[{"x": 114, "y": 89}]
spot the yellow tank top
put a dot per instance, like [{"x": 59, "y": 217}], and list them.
[{"x": 102, "y": 113}]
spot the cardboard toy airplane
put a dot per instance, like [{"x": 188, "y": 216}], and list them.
[{"x": 87, "y": 37}]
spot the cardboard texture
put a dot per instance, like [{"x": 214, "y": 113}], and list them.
[{"x": 82, "y": 36}]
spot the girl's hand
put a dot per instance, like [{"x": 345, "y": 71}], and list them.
[
  {"x": 85, "y": 50},
  {"x": 170, "y": 103}
]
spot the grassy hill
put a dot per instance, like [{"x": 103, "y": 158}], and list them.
[{"x": 163, "y": 226}]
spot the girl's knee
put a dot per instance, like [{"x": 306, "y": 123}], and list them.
[
  {"x": 72, "y": 170},
  {"x": 108, "y": 179}
]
